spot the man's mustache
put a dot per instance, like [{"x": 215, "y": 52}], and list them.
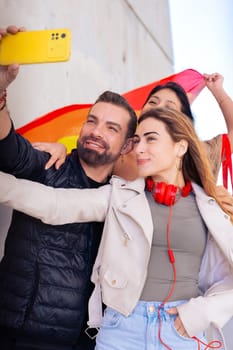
[{"x": 98, "y": 140}]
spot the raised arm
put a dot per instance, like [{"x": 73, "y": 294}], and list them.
[
  {"x": 55, "y": 206},
  {"x": 7, "y": 76},
  {"x": 17, "y": 156},
  {"x": 214, "y": 83}
]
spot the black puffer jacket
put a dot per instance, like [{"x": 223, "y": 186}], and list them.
[{"x": 45, "y": 272}]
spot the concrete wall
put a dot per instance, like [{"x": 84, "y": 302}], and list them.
[{"x": 116, "y": 45}]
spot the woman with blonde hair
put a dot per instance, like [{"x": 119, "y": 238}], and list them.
[{"x": 165, "y": 263}]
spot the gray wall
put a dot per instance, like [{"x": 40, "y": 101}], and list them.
[{"x": 116, "y": 44}]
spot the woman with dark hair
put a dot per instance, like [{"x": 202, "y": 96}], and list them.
[
  {"x": 171, "y": 95},
  {"x": 154, "y": 100},
  {"x": 165, "y": 263}
]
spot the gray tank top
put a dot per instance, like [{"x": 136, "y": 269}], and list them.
[{"x": 188, "y": 236}]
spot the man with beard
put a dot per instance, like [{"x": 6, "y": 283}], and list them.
[{"x": 45, "y": 272}]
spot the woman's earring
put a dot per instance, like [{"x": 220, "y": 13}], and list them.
[
  {"x": 122, "y": 158},
  {"x": 179, "y": 164}
]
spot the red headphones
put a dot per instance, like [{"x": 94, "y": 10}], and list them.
[{"x": 164, "y": 193}]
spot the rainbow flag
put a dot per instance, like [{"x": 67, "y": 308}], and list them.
[{"x": 64, "y": 124}]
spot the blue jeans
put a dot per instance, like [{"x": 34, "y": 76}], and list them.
[{"x": 139, "y": 331}]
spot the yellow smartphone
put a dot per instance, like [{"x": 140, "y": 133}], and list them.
[{"x": 38, "y": 46}]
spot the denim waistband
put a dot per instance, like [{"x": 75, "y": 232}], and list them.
[{"x": 151, "y": 308}]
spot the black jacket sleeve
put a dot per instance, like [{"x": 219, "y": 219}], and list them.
[{"x": 18, "y": 157}]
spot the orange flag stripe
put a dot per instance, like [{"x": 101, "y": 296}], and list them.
[{"x": 65, "y": 121}]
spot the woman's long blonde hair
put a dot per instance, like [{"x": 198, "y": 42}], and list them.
[{"x": 195, "y": 163}]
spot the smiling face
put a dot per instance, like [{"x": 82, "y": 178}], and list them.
[
  {"x": 156, "y": 153},
  {"x": 165, "y": 98},
  {"x": 103, "y": 135}
]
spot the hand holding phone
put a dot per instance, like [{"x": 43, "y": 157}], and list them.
[{"x": 39, "y": 46}]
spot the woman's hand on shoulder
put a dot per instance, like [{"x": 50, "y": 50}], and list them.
[{"x": 57, "y": 151}]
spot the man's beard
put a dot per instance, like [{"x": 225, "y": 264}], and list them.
[{"x": 92, "y": 157}]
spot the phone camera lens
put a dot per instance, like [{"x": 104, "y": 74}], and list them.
[
  {"x": 63, "y": 35},
  {"x": 55, "y": 36}
]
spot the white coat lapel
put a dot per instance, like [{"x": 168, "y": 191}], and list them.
[{"x": 131, "y": 208}]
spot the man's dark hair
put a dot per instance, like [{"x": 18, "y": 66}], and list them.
[
  {"x": 118, "y": 100},
  {"x": 180, "y": 93}
]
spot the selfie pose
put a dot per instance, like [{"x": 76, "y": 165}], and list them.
[
  {"x": 164, "y": 268},
  {"x": 170, "y": 95},
  {"x": 45, "y": 271}
]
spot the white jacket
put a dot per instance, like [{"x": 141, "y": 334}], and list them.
[{"x": 121, "y": 265}]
